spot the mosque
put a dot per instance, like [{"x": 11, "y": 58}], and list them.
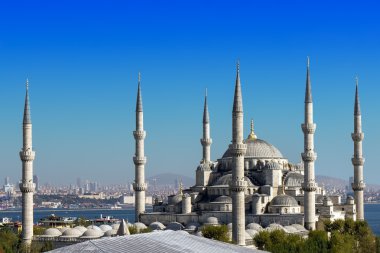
[{"x": 251, "y": 187}]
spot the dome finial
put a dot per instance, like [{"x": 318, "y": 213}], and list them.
[{"x": 252, "y": 135}]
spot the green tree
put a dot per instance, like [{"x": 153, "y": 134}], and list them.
[
  {"x": 219, "y": 233},
  {"x": 342, "y": 243},
  {"x": 317, "y": 242}
]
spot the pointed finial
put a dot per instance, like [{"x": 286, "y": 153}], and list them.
[
  {"x": 308, "y": 96},
  {"x": 139, "y": 107},
  {"x": 206, "y": 92},
  {"x": 27, "y": 83},
  {"x": 139, "y": 77},
  {"x": 238, "y": 65},
  {"x": 357, "y": 100},
  {"x": 252, "y": 135}
]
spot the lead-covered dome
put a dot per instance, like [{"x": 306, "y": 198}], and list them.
[
  {"x": 226, "y": 180},
  {"x": 284, "y": 200},
  {"x": 259, "y": 149},
  {"x": 294, "y": 179}
]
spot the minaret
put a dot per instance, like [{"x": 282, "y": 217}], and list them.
[
  {"x": 206, "y": 140},
  {"x": 139, "y": 186},
  {"x": 26, "y": 185},
  {"x": 309, "y": 156},
  {"x": 204, "y": 169},
  {"x": 238, "y": 185},
  {"x": 358, "y": 160}
]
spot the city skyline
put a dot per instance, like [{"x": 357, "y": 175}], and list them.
[{"x": 83, "y": 80}]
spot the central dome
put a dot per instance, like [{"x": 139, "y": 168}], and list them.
[{"x": 259, "y": 149}]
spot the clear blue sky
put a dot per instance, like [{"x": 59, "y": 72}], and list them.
[{"x": 82, "y": 60}]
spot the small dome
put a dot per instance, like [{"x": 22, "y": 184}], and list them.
[
  {"x": 81, "y": 228},
  {"x": 105, "y": 227},
  {"x": 212, "y": 221},
  {"x": 92, "y": 233},
  {"x": 94, "y": 227},
  {"x": 63, "y": 229},
  {"x": 251, "y": 232},
  {"x": 290, "y": 229},
  {"x": 110, "y": 233},
  {"x": 175, "y": 226},
  {"x": 283, "y": 200},
  {"x": 254, "y": 226},
  {"x": 139, "y": 226},
  {"x": 51, "y": 232},
  {"x": 157, "y": 226},
  {"x": 226, "y": 180},
  {"x": 115, "y": 226},
  {"x": 176, "y": 199},
  {"x": 299, "y": 227},
  {"x": 294, "y": 179},
  {"x": 350, "y": 197},
  {"x": 274, "y": 226},
  {"x": 223, "y": 199},
  {"x": 71, "y": 232},
  {"x": 199, "y": 233},
  {"x": 193, "y": 226}
]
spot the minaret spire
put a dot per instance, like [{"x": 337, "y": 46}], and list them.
[
  {"x": 204, "y": 169},
  {"x": 139, "y": 186},
  {"x": 238, "y": 149},
  {"x": 27, "y": 118},
  {"x": 309, "y": 156},
  {"x": 26, "y": 185},
  {"x": 358, "y": 161}
]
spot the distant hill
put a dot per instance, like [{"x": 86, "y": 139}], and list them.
[
  {"x": 170, "y": 178},
  {"x": 331, "y": 181}
]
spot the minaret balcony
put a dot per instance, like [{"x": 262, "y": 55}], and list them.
[
  {"x": 308, "y": 128},
  {"x": 27, "y": 156},
  {"x": 139, "y": 135},
  {"x": 238, "y": 185},
  {"x": 238, "y": 149},
  {"x": 309, "y": 156},
  {"x": 206, "y": 142},
  {"x": 358, "y": 186},
  {"x": 357, "y": 137},
  {"x": 139, "y": 160},
  {"x": 27, "y": 187},
  {"x": 309, "y": 186},
  {"x": 357, "y": 161},
  {"x": 139, "y": 187}
]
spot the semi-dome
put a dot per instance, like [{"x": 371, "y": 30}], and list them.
[
  {"x": 71, "y": 232},
  {"x": 51, "y": 232},
  {"x": 92, "y": 233},
  {"x": 294, "y": 179},
  {"x": 223, "y": 199},
  {"x": 283, "y": 200},
  {"x": 257, "y": 148},
  {"x": 251, "y": 232},
  {"x": 176, "y": 199},
  {"x": 63, "y": 229},
  {"x": 226, "y": 180}
]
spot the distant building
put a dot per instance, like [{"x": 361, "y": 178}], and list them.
[{"x": 37, "y": 182}]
